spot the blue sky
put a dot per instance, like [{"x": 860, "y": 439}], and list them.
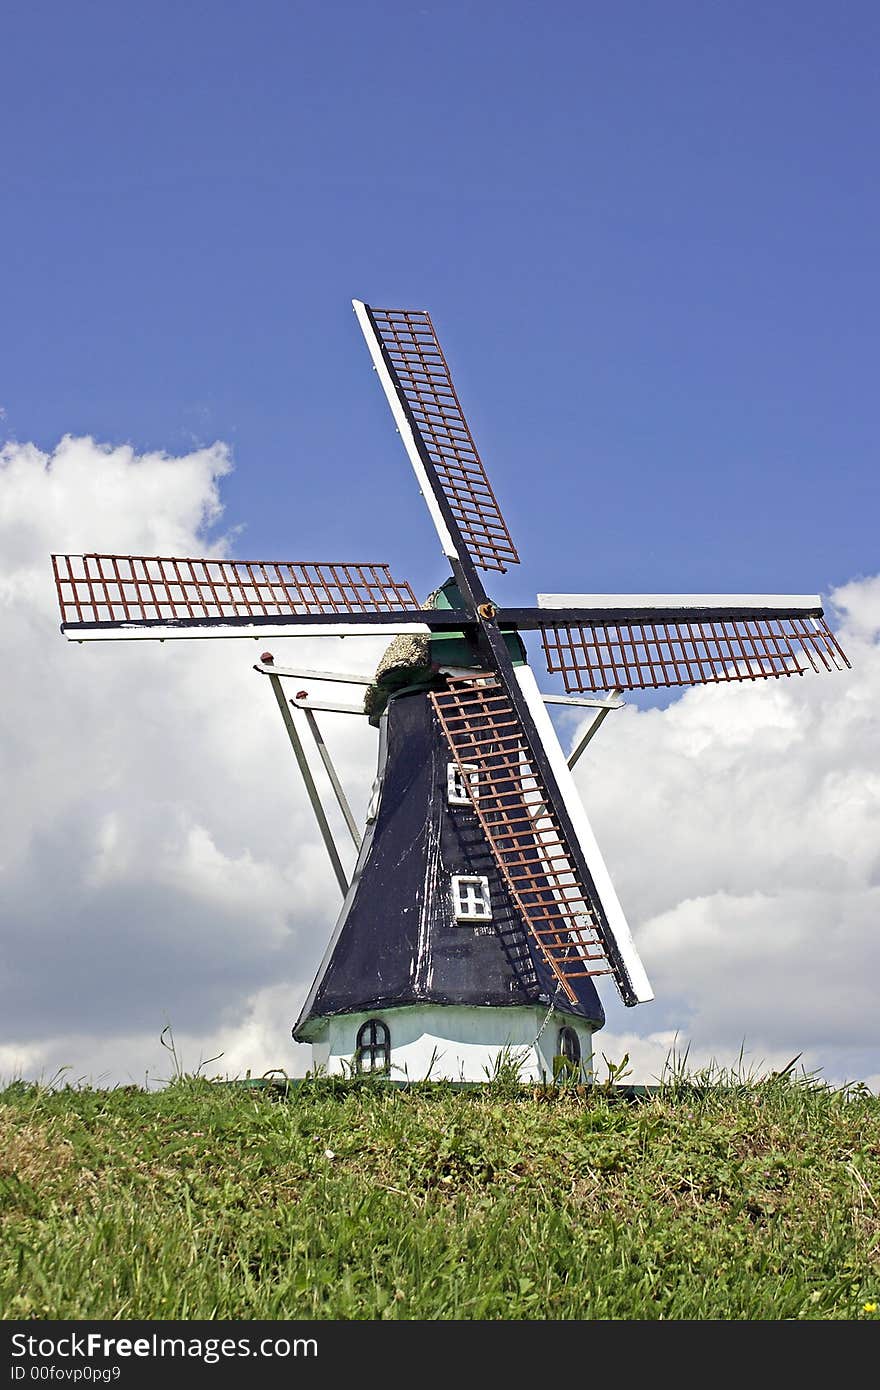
[{"x": 647, "y": 234}]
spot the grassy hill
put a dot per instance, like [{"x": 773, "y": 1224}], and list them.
[{"x": 361, "y": 1200}]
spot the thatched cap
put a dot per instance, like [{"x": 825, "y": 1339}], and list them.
[{"x": 405, "y": 661}]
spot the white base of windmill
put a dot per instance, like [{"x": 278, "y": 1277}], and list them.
[{"x": 453, "y": 1042}]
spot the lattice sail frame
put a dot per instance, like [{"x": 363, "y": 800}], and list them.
[
  {"x": 140, "y": 588},
  {"x": 516, "y": 816},
  {"x": 647, "y": 653},
  {"x": 421, "y": 377}
]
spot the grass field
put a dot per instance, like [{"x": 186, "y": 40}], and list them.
[{"x": 359, "y": 1200}]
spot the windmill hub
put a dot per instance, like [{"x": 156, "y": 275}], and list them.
[{"x": 480, "y": 912}]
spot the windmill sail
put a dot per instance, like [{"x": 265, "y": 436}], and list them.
[
  {"x": 103, "y": 596},
  {"x": 578, "y": 931},
  {"x": 639, "y": 642},
  {"x": 416, "y": 379}
]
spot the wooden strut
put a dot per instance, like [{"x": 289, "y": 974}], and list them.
[
  {"x": 592, "y": 728},
  {"x": 332, "y": 774},
  {"x": 314, "y": 796}
]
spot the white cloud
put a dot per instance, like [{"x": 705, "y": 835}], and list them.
[
  {"x": 159, "y": 864},
  {"x": 742, "y": 827},
  {"x": 158, "y": 859}
]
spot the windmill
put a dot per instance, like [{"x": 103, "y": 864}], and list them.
[{"x": 480, "y": 912}]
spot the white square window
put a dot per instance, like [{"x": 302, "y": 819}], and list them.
[
  {"x": 470, "y": 898},
  {"x": 462, "y": 784}
]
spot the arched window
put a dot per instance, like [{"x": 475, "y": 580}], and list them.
[
  {"x": 568, "y": 1053},
  {"x": 373, "y": 1046}
]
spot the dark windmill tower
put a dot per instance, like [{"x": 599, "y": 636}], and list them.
[{"x": 480, "y": 912}]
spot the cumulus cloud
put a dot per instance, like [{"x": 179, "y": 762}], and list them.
[
  {"x": 742, "y": 826},
  {"x": 159, "y": 863},
  {"x": 157, "y": 854}
]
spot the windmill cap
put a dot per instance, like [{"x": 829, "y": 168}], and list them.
[{"x": 267, "y": 658}]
